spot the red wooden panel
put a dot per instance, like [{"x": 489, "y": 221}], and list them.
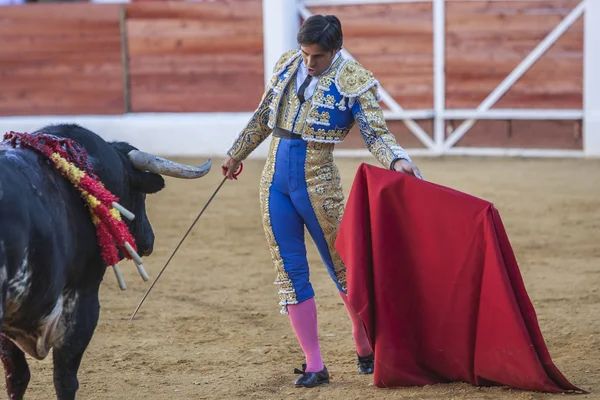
[
  {"x": 195, "y": 57},
  {"x": 61, "y": 59},
  {"x": 524, "y": 134},
  {"x": 487, "y": 40}
]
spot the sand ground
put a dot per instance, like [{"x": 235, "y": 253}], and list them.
[{"x": 211, "y": 329}]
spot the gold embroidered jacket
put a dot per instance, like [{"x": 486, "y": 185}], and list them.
[{"x": 345, "y": 94}]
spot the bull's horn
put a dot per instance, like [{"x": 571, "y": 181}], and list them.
[{"x": 151, "y": 163}]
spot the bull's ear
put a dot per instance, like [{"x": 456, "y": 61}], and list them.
[{"x": 147, "y": 182}]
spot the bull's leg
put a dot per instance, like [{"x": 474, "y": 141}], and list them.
[
  {"x": 81, "y": 318},
  {"x": 16, "y": 370}
]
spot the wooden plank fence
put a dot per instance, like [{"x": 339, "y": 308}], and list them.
[
  {"x": 60, "y": 59},
  {"x": 187, "y": 57},
  {"x": 161, "y": 56}
]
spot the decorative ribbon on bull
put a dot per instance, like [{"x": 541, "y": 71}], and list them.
[{"x": 71, "y": 160}]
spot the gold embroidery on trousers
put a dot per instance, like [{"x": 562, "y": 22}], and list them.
[
  {"x": 324, "y": 188},
  {"x": 287, "y": 294}
]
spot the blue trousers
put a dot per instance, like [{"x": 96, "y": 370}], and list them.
[{"x": 300, "y": 187}]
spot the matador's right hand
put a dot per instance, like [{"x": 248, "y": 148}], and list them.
[{"x": 230, "y": 166}]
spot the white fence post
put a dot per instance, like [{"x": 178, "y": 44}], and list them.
[
  {"x": 591, "y": 79},
  {"x": 280, "y": 26},
  {"x": 439, "y": 74}
]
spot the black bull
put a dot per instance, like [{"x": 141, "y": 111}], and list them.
[{"x": 50, "y": 263}]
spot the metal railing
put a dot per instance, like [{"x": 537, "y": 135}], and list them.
[{"x": 442, "y": 144}]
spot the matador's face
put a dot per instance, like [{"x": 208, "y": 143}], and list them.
[{"x": 316, "y": 59}]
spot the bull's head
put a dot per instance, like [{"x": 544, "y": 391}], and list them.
[{"x": 144, "y": 176}]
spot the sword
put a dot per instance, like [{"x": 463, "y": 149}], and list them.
[{"x": 235, "y": 175}]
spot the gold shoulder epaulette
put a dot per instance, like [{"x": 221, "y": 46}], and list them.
[
  {"x": 353, "y": 79},
  {"x": 285, "y": 60}
]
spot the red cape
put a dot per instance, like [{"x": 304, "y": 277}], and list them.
[{"x": 434, "y": 278}]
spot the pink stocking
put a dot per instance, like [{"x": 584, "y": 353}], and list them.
[
  {"x": 303, "y": 317},
  {"x": 363, "y": 347}
]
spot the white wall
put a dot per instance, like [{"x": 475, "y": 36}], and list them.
[
  {"x": 163, "y": 133},
  {"x": 591, "y": 79}
]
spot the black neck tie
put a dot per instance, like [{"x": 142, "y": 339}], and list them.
[{"x": 303, "y": 88}]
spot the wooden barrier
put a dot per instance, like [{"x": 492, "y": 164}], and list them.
[
  {"x": 176, "y": 56},
  {"x": 60, "y": 59},
  {"x": 207, "y": 57},
  {"x": 190, "y": 57},
  {"x": 486, "y": 40}
]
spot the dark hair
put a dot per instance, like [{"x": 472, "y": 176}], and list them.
[{"x": 324, "y": 30}]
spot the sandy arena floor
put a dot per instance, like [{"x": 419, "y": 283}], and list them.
[{"x": 211, "y": 326}]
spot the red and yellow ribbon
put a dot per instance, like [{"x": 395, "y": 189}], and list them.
[{"x": 71, "y": 160}]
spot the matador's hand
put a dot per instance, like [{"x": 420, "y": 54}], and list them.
[
  {"x": 230, "y": 166},
  {"x": 407, "y": 167}
]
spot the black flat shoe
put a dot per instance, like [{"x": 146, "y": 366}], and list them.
[
  {"x": 311, "y": 379},
  {"x": 366, "y": 364}
]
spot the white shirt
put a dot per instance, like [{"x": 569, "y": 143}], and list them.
[{"x": 303, "y": 72}]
